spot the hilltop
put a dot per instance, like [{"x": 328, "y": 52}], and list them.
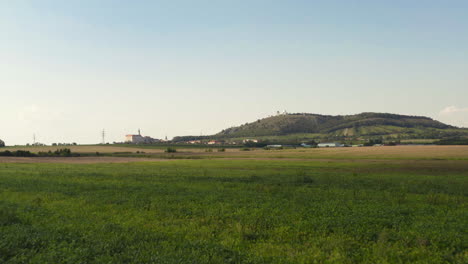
[{"x": 344, "y": 126}]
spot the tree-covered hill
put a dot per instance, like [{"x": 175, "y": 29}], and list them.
[{"x": 364, "y": 124}]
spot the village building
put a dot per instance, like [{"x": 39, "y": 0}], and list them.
[
  {"x": 139, "y": 139},
  {"x": 250, "y": 140},
  {"x": 274, "y": 146},
  {"x": 330, "y": 145}
]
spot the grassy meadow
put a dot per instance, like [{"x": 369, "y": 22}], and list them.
[{"x": 364, "y": 210}]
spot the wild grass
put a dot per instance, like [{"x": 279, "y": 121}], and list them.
[{"x": 234, "y": 211}]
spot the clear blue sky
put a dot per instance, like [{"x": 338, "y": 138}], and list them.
[{"x": 70, "y": 68}]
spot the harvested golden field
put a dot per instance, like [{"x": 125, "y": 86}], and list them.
[
  {"x": 109, "y": 149},
  {"x": 75, "y": 160},
  {"x": 86, "y": 149},
  {"x": 384, "y": 152}
]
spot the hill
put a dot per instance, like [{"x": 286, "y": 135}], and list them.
[{"x": 346, "y": 126}]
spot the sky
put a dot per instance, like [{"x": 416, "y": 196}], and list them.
[{"x": 69, "y": 69}]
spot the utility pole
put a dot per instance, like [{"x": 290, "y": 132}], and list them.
[
  {"x": 34, "y": 139},
  {"x": 103, "y": 136}
]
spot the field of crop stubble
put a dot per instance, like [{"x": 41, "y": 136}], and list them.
[{"x": 407, "y": 205}]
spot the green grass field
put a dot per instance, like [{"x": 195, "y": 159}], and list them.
[{"x": 235, "y": 211}]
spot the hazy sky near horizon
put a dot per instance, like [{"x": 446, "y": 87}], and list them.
[{"x": 68, "y": 69}]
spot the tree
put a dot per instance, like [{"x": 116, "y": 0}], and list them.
[{"x": 2, "y": 143}]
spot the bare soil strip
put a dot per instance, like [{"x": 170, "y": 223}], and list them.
[{"x": 96, "y": 160}]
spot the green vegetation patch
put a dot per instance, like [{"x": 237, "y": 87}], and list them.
[{"x": 233, "y": 211}]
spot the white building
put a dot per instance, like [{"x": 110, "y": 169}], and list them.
[
  {"x": 139, "y": 139},
  {"x": 250, "y": 140},
  {"x": 330, "y": 145},
  {"x": 134, "y": 139},
  {"x": 274, "y": 146}
]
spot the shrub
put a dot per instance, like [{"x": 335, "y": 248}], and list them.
[
  {"x": 18, "y": 153},
  {"x": 452, "y": 141},
  {"x": 6, "y": 153},
  {"x": 58, "y": 153},
  {"x": 63, "y": 152},
  {"x": 170, "y": 150},
  {"x": 24, "y": 153},
  {"x": 221, "y": 150}
]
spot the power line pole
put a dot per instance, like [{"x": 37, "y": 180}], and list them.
[
  {"x": 103, "y": 136},
  {"x": 34, "y": 139}
]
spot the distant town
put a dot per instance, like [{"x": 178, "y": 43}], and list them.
[{"x": 284, "y": 129}]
